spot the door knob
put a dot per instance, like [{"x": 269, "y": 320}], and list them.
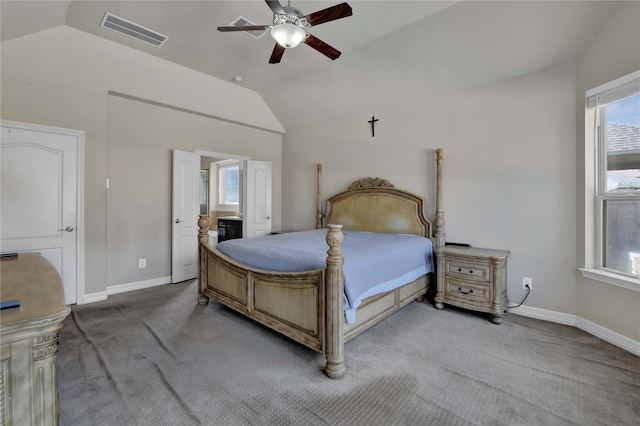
[
  {"x": 179, "y": 221},
  {"x": 67, "y": 229},
  {"x": 267, "y": 217}
]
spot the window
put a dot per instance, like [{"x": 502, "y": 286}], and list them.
[
  {"x": 614, "y": 110},
  {"x": 229, "y": 179}
]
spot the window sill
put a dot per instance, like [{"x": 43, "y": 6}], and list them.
[{"x": 611, "y": 278}]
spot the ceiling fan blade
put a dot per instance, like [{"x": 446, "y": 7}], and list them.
[
  {"x": 276, "y": 55},
  {"x": 275, "y": 7},
  {"x": 322, "y": 47},
  {"x": 244, "y": 28},
  {"x": 332, "y": 13}
]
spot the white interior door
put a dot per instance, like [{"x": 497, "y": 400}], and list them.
[
  {"x": 39, "y": 190},
  {"x": 186, "y": 207},
  {"x": 257, "y": 219}
]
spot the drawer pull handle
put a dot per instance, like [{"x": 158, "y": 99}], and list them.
[
  {"x": 471, "y": 271},
  {"x": 465, "y": 292},
  {"x": 459, "y": 269}
]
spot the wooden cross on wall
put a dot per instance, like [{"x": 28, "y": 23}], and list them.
[{"x": 373, "y": 123}]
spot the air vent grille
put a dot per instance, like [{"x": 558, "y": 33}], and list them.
[
  {"x": 241, "y": 21},
  {"x": 133, "y": 30}
]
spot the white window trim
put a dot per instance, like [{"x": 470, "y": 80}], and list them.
[
  {"x": 593, "y": 215},
  {"x": 611, "y": 278}
]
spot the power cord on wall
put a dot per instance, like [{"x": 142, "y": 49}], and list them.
[{"x": 526, "y": 286}]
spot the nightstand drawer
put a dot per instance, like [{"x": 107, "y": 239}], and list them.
[
  {"x": 466, "y": 271},
  {"x": 466, "y": 291}
]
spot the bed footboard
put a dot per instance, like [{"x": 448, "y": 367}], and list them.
[
  {"x": 290, "y": 303},
  {"x": 305, "y": 306}
]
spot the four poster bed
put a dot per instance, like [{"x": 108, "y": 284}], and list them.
[{"x": 323, "y": 305}]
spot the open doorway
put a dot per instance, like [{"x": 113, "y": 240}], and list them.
[
  {"x": 243, "y": 202},
  {"x": 191, "y": 173},
  {"x": 221, "y": 196},
  {"x": 244, "y": 213}
]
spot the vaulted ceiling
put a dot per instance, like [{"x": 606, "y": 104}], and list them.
[{"x": 389, "y": 48}]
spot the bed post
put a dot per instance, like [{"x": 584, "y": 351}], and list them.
[
  {"x": 319, "y": 196},
  {"x": 439, "y": 219},
  {"x": 334, "y": 294},
  {"x": 439, "y": 232},
  {"x": 203, "y": 238}
]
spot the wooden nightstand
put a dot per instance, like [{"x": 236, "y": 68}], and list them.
[{"x": 472, "y": 278}]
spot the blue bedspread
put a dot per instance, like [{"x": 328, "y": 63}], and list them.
[{"x": 374, "y": 263}]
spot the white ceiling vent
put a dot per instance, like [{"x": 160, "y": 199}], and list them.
[
  {"x": 241, "y": 21},
  {"x": 133, "y": 30}
]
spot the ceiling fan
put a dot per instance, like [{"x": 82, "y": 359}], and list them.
[{"x": 289, "y": 28}]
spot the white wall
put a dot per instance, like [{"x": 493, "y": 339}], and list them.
[
  {"x": 615, "y": 53},
  {"x": 62, "y": 77},
  {"x": 511, "y": 163},
  {"x": 139, "y": 157},
  {"x": 509, "y": 171}
]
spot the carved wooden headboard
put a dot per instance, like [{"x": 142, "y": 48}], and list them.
[{"x": 375, "y": 205}]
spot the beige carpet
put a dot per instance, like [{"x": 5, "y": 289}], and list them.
[{"x": 155, "y": 357}]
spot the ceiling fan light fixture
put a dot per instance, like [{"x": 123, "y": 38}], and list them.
[{"x": 288, "y": 35}]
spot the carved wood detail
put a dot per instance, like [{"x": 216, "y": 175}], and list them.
[
  {"x": 371, "y": 182},
  {"x": 439, "y": 219},
  {"x": 335, "y": 310},
  {"x": 203, "y": 238},
  {"x": 44, "y": 346},
  {"x": 319, "y": 215},
  {"x": 29, "y": 341},
  {"x": 5, "y": 391},
  {"x": 203, "y": 232}
]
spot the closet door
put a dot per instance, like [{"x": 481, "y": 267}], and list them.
[{"x": 39, "y": 190}]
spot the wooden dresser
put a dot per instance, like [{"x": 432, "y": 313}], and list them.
[{"x": 29, "y": 340}]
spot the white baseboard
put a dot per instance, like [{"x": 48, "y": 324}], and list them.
[
  {"x": 607, "y": 335},
  {"x": 122, "y": 288},
  {"x": 138, "y": 285},
  {"x": 94, "y": 297},
  {"x": 599, "y": 331},
  {"x": 544, "y": 314}
]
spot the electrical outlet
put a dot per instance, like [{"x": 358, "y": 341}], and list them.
[
  {"x": 527, "y": 282},
  {"x": 142, "y": 263}
]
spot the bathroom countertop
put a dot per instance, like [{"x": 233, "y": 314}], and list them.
[{"x": 230, "y": 217}]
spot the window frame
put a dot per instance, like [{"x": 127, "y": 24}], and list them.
[{"x": 596, "y": 185}]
